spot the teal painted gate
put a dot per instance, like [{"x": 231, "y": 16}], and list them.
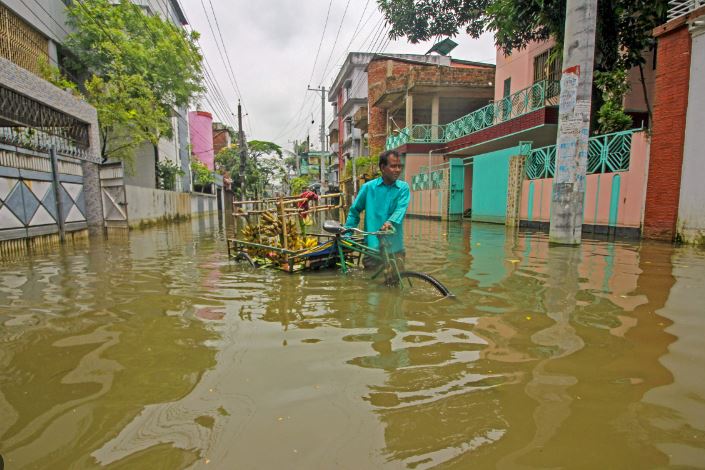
[
  {"x": 490, "y": 179},
  {"x": 457, "y": 186}
]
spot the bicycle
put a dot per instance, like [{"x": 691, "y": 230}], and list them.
[{"x": 389, "y": 266}]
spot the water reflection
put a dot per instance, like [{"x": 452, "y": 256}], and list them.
[{"x": 156, "y": 351}]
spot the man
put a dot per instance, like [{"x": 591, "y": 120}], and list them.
[{"x": 384, "y": 201}]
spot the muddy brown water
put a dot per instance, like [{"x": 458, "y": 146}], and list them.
[{"x": 156, "y": 351}]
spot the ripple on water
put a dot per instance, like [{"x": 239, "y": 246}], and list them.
[{"x": 157, "y": 348}]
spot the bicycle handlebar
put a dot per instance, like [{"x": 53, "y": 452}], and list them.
[
  {"x": 333, "y": 226},
  {"x": 391, "y": 231}
]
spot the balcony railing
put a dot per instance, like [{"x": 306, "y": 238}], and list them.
[
  {"x": 607, "y": 153},
  {"x": 418, "y": 133},
  {"x": 539, "y": 95},
  {"x": 679, "y": 8}
]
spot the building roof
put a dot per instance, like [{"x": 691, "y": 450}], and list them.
[
  {"x": 354, "y": 59},
  {"x": 444, "y": 61},
  {"x": 456, "y": 62}
]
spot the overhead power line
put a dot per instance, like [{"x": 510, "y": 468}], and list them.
[
  {"x": 335, "y": 42},
  {"x": 306, "y": 95},
  {"x": 352, "y": 38},
  {"x": 229, "y": 66},
  {"x": 208, "y": 69},
  {"x": 318, "y": 51}
]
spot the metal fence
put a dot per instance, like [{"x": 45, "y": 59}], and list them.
[
  {"x": 537, "y": 96},
  {"x": 35, "y": 126},
  {"x": 607, "y": 153}
]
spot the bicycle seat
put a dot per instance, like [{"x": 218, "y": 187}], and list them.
[{"x": 332, "y": 226}]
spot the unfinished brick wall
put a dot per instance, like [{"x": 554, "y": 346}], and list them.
[
  {"x": 386, "y": 75},
  {"x": 377, "y": 127},
  {"x": 220, "y": 139},
  {"x": 666, "y": 160}
]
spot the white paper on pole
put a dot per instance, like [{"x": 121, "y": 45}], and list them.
[{"x": 569, "y": 92}]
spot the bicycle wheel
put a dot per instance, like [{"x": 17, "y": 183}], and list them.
[
  {"x": 423, "y": 284},
  {"x": 242, "y": 256}
]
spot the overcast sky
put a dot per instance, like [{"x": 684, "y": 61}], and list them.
[{"x": 272, "y": 44}]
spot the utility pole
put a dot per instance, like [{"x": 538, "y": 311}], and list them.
[
  {"x": 354, "y": 170},
  {"x": 243, "y": 150},
  {"x": 573, "y": 123},
  {"x": 323, "y": 159},
  {"x": 298, "y": 158}
]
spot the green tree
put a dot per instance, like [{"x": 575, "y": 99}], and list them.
[
  {"x": 128, "y": 114},
  {"x": 259, "y": 148},
  {"x": 623, "y": 26},
  {"x": 264, "y": 166},
  {"x": 298, "y": 184},
  {"x": 202, "y": 175},
  {"x": 167, "y": 171},
  {"x": 613, "y": 86},
  {"x": 623, "y": 30},
  {"x": 140, "y": 66}
]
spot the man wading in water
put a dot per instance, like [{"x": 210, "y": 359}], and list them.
[{"x": 384, "y": 201}]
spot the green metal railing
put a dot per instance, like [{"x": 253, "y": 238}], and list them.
[
  {"x": 607, "y": 153},
  {"x": 539, "y": 95},
  {"x": 418, "y": 133}
]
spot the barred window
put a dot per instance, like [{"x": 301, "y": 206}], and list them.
[
  {"x": 20, "y": 43},
  {"x": 547, "y": 67}
]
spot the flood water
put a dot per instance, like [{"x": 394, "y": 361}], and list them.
[{"x": 156, "y": 351}]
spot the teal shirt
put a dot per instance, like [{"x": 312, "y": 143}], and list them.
[{"x": 381, "y": 203}]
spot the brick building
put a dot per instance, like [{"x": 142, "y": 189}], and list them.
[
  {"x": 675, "y": 192},
  {"x": 221, "y": 137},
  {"x": 420, "y": 93},
  {"x": 348, "y": 96},
  {"x": 494, "y": 161}
]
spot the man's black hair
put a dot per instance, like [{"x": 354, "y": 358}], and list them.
[{"x": 384, "y": 157}]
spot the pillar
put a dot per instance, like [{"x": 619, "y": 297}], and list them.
[
  {"x": 435, "y": 114},
  {"x": 409, "y": 110},
  {"x": 668, "y": 138}
]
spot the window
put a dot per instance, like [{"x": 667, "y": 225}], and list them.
[
  {"x": 547, "y": 66},
  {"x": 21, "y": 43},
  {"x": 507, "y": 87}
]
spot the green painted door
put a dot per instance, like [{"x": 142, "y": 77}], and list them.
[
  {"x": 457, "y": 185},
  {"x": 490, "y": 178}
]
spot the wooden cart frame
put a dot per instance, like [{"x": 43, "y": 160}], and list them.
[{"x": 324, "y": 255}]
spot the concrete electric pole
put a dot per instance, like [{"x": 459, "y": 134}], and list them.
[
  {"x": 573, "y": 123},
  {"x": 243, "y": 150},
  {"x": 323, "y": 159}
]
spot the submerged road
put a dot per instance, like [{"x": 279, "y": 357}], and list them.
[{"x": 156, "y": 351}]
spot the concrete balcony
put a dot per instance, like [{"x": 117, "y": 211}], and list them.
[
  {"x": 359, "y": 119},
  {"x": 497, "y": 115}
]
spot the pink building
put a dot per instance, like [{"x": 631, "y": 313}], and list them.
[{"x": 201, "y": 133}]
